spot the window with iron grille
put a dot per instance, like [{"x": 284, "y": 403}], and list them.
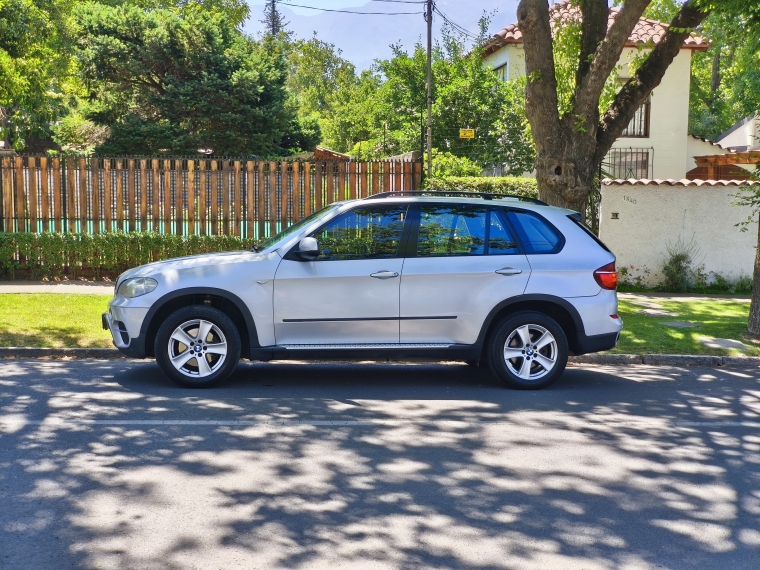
[
  {"x": 639, "y": 125},
  {"x": 629, "y": 163}
]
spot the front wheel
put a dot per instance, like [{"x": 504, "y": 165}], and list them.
[
  {"x": 197, "y": 346},
  {"x": 528, "y": 351}
]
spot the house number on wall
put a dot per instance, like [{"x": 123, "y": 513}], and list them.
[{"x": 629, "y": 199}]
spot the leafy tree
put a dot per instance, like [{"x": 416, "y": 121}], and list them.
[
  {"x": 382, "y": 112},
  {"x": 446, "y": 165},
  {"x": 316, "y": 71},
  {"x": 273, "y": 20},
  {"x": 235, "y": 11},
  {"x": 36, "y": 79},
  {"x": 572, "y": 140},
  {"x": 182, "y": 79},
  {"x": 725, "y": 80}
]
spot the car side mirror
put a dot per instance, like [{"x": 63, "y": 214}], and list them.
[{"x": 308, "y": 249}]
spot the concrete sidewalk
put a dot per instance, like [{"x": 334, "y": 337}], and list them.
[
  {"x": 76, "y": 287},
  {"x": 681, "y": 297}
]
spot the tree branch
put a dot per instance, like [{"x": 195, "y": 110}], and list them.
[
  {"x": 648, "y": 76},
  {"x": 541, "y": 87},
  {"x": 594, "y": 14},
  {"x": 607, "y": 55}
]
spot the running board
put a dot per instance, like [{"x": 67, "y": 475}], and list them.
[
  {"x": 363, "y": 346},
  {"x": 368, "y": 351}
]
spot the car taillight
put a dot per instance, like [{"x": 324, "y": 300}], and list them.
[{"x": 606, "y": 276}]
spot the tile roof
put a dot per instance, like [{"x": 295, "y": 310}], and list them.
[
  {"x": 644, "y": 31},
  {"x": 671, "y": 182},
  {"x": 703, "y": 139}
]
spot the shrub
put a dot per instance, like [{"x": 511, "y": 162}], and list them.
[
  {"x": 493, "y": 184},
  {"x": 54, "y": 254},
  {"x": 446, "y": 164},
  {"x": 677, "y": 270}
]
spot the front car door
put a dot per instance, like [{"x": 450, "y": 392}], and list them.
[
  {"x": 462, "y": 260},
  {"x": 350, "y": 294}
]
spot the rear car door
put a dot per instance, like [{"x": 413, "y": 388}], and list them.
[
  {"x": 462, "y": 260},
  {"x": 350, "y": 293}
]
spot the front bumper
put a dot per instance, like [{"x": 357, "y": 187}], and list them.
[{"x": 132, "y": 346}]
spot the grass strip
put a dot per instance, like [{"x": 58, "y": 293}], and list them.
[
  {"x": 645, "y": 334},
  {"x": 69, "y": 321},
  {"x": 53, "y": 320}
]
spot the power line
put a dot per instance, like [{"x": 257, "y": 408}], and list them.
[
  {"x": 349, "y": 11},
  {"x": 454, "y": 25}
]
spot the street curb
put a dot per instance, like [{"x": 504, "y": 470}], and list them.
[
  {"x": 30, "y": 352},
  {"x": 705, "y": 361},
  {"x": 611, "y": 359}
]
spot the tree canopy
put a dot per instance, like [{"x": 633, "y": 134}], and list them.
[
  {"x": 35, "y": 66},
  {"x": 181, "y": 80}
]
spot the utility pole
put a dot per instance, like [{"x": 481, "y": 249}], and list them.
[
  {"x": 429, "y": 20},
  {"x": 273, "y": 8}
]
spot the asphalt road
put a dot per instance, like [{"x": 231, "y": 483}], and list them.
[{"x": 108, "y": 465}]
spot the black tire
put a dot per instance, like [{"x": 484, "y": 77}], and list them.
[
  {"x": 223, "y": 335},
  {"x": 538, "y": 373}
]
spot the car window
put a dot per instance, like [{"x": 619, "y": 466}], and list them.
[
  {"x": 451, "y": 230},
  {"x": 270, "y": 241},
  {"x": 372, "y": 232},
  {"x": 500, "y": 238},
  {"x": 534, "y": 233}
]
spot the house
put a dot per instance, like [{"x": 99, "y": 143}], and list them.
[
  {"x": 656, "y": 143},
  {"x": 743, "y": 136},
  {"x": 732, "y": 156}
]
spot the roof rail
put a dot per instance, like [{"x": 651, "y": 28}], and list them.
[{"x": 484, "y": 195}]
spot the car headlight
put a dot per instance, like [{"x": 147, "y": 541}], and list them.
[{"x": 137, "y": 286}]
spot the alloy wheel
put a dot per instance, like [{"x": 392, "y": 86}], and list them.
[
  {"x": 530, "y": 352},
  {"x": 197, "y": 348}
]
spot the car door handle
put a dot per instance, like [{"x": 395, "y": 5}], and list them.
[
  {"x": 508, "y": 271},
  {"x": 384, "y": 275}
]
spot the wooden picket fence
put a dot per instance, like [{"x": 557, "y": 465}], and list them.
[{"x": 183, "y": 196}]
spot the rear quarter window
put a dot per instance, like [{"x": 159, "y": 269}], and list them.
[
  {"x": 591, "y": 234},
  {"x": 535, "y": 233}
]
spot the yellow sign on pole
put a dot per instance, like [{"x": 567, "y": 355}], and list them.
[{"x": 466, "y": 133}]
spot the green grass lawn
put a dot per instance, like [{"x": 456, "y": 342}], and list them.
[
  {"x": 644, "y": 334},
  {"x": 53, "y": 320}
]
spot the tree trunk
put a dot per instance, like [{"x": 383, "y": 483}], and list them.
[
  {"x": 565, "y": 179},
  {"x": 753, "y": 325}
]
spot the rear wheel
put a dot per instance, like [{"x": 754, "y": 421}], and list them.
[
  {"x": 197, "y": 346},
  {"x": 528, "y": 351}
]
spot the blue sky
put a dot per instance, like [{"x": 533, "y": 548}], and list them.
[{"x": 363, "y": 38}]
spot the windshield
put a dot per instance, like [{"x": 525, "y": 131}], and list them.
[{"x": 290, "y": 230}]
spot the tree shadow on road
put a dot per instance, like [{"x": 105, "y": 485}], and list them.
[{"x": 440, "y": 467}]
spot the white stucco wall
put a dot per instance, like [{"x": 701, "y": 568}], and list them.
[
  {"x": 651, "y": 217},
  {"x": 512, "y": 54},
  {"x": 747, "y": 135},
  {"x": 669, "y": 117},
  {"x": 697, "y": 147}
]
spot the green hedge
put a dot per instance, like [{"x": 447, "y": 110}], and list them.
[
  {"x": 494, "y": 184},
  {"x": 53, "y": 254}
]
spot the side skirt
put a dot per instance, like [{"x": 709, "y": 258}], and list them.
[{"x": 432, "y": 352}]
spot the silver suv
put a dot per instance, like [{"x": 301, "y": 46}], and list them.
[{"x": 503, "y": 281}]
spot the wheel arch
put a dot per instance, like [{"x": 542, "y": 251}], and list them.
[
  {"x": 559, "y": 309},
  {"x": 229, "y": 303}
]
